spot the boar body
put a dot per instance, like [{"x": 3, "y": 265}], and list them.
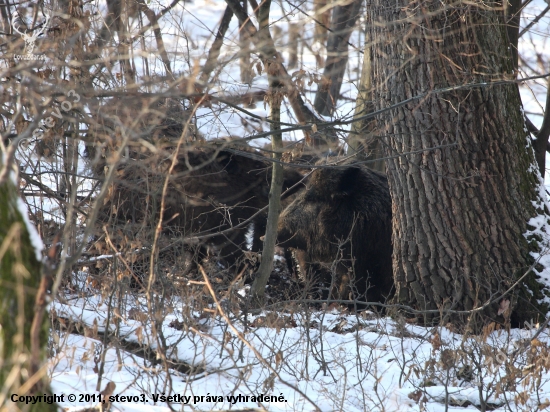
[
  {"x": 342, "y": 221},
  {"x": 208, "y": 192}
]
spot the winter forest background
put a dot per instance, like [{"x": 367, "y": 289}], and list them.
[{"x": 152, "y": 150}]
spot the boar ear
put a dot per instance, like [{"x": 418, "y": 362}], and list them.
[{"x": 348, "y": 180}]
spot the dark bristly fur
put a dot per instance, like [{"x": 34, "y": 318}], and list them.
[
  {"x": 209, "y": 190},
  {"x": 348, "y": 205}
]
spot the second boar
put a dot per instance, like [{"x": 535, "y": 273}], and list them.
[{"x": 344, "y": 216}]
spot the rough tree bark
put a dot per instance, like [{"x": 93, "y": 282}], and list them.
[
  {"x": 460, "y": 213},
  {"x": 23, "y": 322}
]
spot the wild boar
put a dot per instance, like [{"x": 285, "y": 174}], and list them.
[{"x": 344, "y": 217}]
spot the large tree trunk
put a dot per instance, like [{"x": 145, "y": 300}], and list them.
[{"x": 460, "y": 213}]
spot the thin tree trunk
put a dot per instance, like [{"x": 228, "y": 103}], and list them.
[
  {"x": 343, "y": 22},
  {"x": 322, "y": 20},
  {"x": 152, "y": 17},
  {"x": 266, "y": 265},
  {"x": 325, "y": 136},
  {"x": 322, "y": 12},
  {"x": 115, "y": 21},
  {"x": 5, "y": 18},
  {"x": 244, "y": 58},
  {"x": 275, "y": 96},
  {"x": 363, "y": 138},
  {"x": 294, "y": 35},
  {"x": 513, "y": 13},
  {"x": 459, "y": 213},
  {"x": 214, "y": 53}
]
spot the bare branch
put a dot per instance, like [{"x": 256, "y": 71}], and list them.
[{"x": 270, "y": 56}]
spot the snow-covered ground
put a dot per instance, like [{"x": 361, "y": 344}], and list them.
[{"x": 327, "y": 361}]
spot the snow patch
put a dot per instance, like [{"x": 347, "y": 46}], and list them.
[
  {"x": 541, "y": 227},
  {"x": 36, "y": 240}
]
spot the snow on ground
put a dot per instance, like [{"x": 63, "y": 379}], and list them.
[{"x": 325, "y": 361}]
